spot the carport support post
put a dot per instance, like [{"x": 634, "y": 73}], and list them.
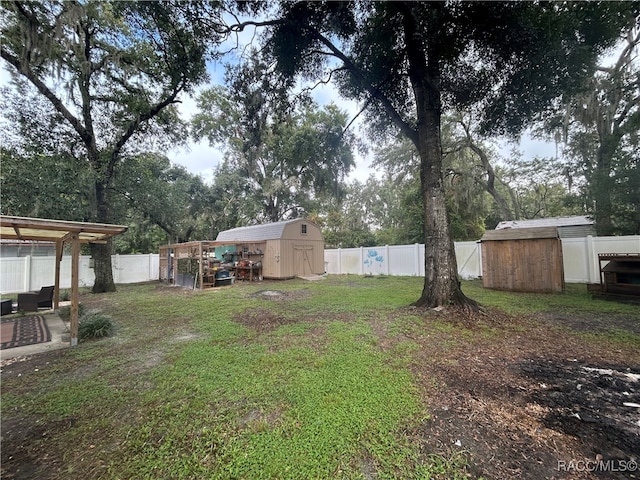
[
  {"x": 75, "y": 268},
  {"x": 56, "y": 290}
]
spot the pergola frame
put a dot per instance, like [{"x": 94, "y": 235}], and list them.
[{"x": 60, "y": 232}]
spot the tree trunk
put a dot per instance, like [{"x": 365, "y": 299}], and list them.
[
  {"x": 602, "y": 194},
  {"x": 603, "y": 183},
  {"x": 441, "y": 283},
  {"x": 101, "y": 253}
]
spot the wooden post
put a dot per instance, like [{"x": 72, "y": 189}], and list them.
[
  {"x": 75, "y": 269},
  {"x": 56, "y": 290},
  {"x": 200, "y": 265}
]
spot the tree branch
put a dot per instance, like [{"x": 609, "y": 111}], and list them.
[
  {"x": 26, "y": 71},
  {"x": 373, "y": 91}
]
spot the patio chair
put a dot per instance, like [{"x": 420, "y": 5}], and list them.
[{"x": 31, "y": 302}]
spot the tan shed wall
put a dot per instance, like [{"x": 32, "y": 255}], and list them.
[
  {"x": 523, "y": 265},
  {"x": 293, "y": 232},
  {"x": 290, "y": 258}
]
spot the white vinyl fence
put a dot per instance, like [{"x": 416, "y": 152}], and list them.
[
  {"x": 580, "y": 258},
  {"x": 24, "y": 274}
]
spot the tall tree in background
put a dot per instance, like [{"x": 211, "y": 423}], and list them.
[
  {"x": 44, "y": 175},
  {"x": 165, "y": 195},
  {"x": 288, "y": 154},
  {"x": 408, "y": 61},
  {"x": 600, "y": 127},
  {"x": 113, "y": 71}
]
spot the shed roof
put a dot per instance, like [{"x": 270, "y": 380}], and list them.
[
  {"x": 520, "y": 234},
  {"x": 547, "y": 222},
  {"x": 257, "y": 233}
]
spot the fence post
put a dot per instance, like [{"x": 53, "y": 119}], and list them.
[
  {"x": 591, "y": 258},
  {"x": 339, "y": 261},
  {"x": 386, "y": 256},
  {"x": 27, "y": 274},
  {"x": 361, "y": 267},
  {"x": 118, "y": 267}
]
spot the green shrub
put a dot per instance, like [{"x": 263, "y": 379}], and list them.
[
  {"x": 65, "y": 296},
  {"x": 94, "y": 325}
]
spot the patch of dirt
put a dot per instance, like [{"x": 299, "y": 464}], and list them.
[
  {"x": 280, "y": 295},
  {"x": 536, "y": 402},
  {"x": 595, "y": 323},
  {"x": 263, "y": 320}
]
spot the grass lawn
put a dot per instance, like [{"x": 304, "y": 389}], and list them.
[{"x": 337, "y": 378}]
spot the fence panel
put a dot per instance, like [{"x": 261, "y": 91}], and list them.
[
  {"x": 580, "y": 258},
  {"x": 404, "y": 260},
  {"x": 576, "y": 262},
  {"x": 350, "y": 260},
  {"x": 469, "y": 259},
  {"x": 43, "y": 272},
  {"x": 135, "y": 268},
  {"x": 13, "y": 276},
  {"x": 22, "y": 274}
]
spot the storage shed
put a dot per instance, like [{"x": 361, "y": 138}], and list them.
[
  {"x": 287, "y": 249},
  {"x": 568, "y": 227},
  {"x": 194, "y": 265},
  {"x": 523, "y": 260}
]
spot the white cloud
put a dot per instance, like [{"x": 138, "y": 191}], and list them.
[
  {"x": 527, "y": 148},
  {"x": 198, "y": 158}
]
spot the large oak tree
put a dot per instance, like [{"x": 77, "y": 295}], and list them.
[
  {"x": 113, "y": 71},
  {"x": 408, "y": 62}
]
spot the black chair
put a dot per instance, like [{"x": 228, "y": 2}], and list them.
[{"x": 31, "y": 302}]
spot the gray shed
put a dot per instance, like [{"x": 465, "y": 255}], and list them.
[
  {"x": 568, "y": 227},
  {"x": 286, "y": 249}
]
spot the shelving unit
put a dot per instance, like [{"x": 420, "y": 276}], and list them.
[{"x": 197, "y": 264}]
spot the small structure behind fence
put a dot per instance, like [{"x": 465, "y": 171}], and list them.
[{"x": 580, "y": 258}]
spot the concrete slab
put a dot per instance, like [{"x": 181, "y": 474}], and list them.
[{"x": 60, "y": 335}]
